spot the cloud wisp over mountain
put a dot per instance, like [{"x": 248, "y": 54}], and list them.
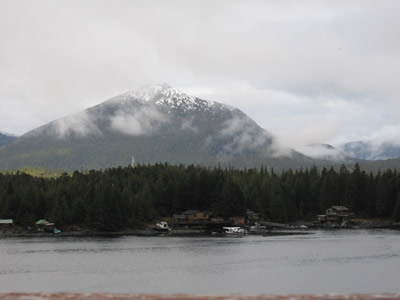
[{"x": 140, "y": 122}]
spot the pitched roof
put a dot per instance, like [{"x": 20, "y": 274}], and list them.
[
  {"x": 178, "y": 216},
  {"x": 340, "y": 207},
  {"x": 190, "y": 212},
  {"x": 41, "y": 221},
  {"x": 44, "y": 222}
]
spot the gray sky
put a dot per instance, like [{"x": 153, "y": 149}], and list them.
[{"x": 307, "y": 71}]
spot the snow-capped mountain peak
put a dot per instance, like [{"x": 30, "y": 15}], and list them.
[
  {"x": 164, "y": 96},
  {"x": 148, "y": 92}
]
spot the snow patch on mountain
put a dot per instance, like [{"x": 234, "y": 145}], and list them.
[{"x": 170, "y": 99}]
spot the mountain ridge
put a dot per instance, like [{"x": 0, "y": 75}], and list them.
[
  {"x": 154, "y": 124},
  {"x": 158, "y": 124},
  {"x": 370, "y": 150}
]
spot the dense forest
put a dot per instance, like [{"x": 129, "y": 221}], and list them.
[{"x": 117, "y": 198}]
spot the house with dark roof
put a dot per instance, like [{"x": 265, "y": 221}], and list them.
[
  {"x": 192, "y": 216},
  {"x": 336, "y": 216},
  {"x": 252, "y": 217}
]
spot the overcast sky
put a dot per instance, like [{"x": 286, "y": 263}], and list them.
[{"x": 307, "y": 71}]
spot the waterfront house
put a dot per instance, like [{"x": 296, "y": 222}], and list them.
[
  {"x": 252, "y": 217},
  {"x": 338, "y": 210},
  {"x": 192, "y": 216},
  {"x": 336, "y": 216}
]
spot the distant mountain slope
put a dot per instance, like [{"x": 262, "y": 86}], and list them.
[
  {"x": 326, "y": 152},
  {"x": 154, "y": 124},
  {"x": 6, "y": 138},
  {"x": 371, "y": 151}
]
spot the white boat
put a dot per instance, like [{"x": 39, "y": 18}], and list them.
[
  {"x": 162, "y": 226},
  {"x": 257, "y": 229},
  {"x": 234, "y": 231}
]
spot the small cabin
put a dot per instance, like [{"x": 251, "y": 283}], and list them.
[
  {"x": 44, "y": 225},
  {"x": 338, "y": 211}
]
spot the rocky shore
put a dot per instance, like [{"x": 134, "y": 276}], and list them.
[
  {"x": 18, "y": 232},
  {"x": 147, "y": 233},
  {"x": 76, "y": 231}
]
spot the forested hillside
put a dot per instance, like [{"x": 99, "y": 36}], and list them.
[{"x": 126, "y": 197}]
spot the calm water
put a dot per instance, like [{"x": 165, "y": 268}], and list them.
[{"x": 326, "y": 262}]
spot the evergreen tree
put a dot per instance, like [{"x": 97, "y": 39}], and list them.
[{"x": 396, "y": 212}]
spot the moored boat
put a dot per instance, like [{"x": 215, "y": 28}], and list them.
[
  {"x": 162, "y": 227},
  {"x": 234, "y": 231}
]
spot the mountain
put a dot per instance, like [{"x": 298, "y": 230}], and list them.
[
  {"x": 6, "y": 138},
  {"x": 326, "y": 152},
  {"x": 152, "y": 124},
  {"x": 369, "y": 150}
]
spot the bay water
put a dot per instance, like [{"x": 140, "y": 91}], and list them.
[{"x": 340, "y": 261}]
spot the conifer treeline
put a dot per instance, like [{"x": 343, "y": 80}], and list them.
[{"x": 122, "y": 197}]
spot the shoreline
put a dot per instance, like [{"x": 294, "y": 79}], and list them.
[
  {"x": 95, "y": 233},
  {"x": 21, "y": 233}
]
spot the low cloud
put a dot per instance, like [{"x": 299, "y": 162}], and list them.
[
  {"x": 80, "y": 124},
  {"x": 242, "y": 135},
  {"x": 188, "y": 124},
  {"x": 387, "y": 134},
  {"x": 348, "y": 49},
  {"x": 322, "y": 151},
  {"x": 144, "y": 121},
  {"x": 381, "y": 144}
]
